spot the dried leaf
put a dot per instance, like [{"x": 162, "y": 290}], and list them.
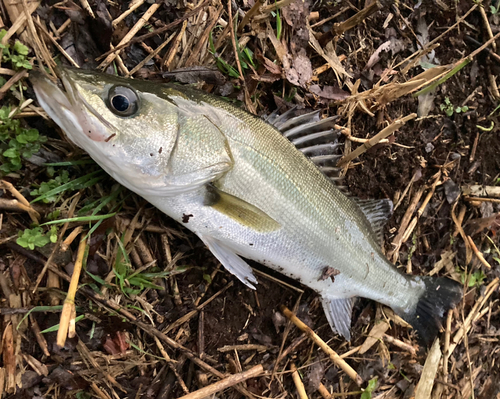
[
  {"x": 9, "y": 357},
  {"x": 329, "y": 56},
  {"x": 376, "y": 334},
  {"x": 197, "y": 74},
  {"x": 298, "y": 70},
  {"x": 394, "y": 45},
  {"x": 329, "y": 92},
  {"x": 116, "y": 344},
  {"x": 424, "y": 387}
]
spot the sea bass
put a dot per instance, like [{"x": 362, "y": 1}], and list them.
[{"x": 244, "y": 189}]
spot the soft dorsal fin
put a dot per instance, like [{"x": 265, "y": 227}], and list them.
[
  {"x": 377, "y": 212},
  {"x": 315, "y": 137}
]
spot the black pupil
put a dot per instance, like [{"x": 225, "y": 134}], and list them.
[{"x": 120, "y": 103}]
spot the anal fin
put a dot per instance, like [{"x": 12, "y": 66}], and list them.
[
  {"x": 338, "y": 312},
  {"x": 231, "y": 261}
]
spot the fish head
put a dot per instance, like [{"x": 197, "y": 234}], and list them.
[{"x": 123, "y": 124}]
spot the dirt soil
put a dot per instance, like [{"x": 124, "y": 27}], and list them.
[{"x": 157, "y": 315}]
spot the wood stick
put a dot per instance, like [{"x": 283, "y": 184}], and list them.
[
  {"x": 478, "y": 253},
  {"x": 350, "y": 23},
  {"x": 481, "y": 191},
  {"x": 69, "y": 303},
  {"x": 298, "y": 382},
  {"x": 490, "y": 289},
  {"x": 133, "y": 7},
  {"x": 225, "y": 383},
  {"x": 376, "y": 139},
  {"x": 479, "y": 199},
  {"x": 131, "y": 33},
  {"x": 334, "y": 357},
  {"x": 426, "y": 382},
  {"x": 139, "y": 39}
]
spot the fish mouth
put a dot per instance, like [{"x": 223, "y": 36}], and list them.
[
  {"x": 68, "y": 108},
  {"x": 50, "y": 92}
]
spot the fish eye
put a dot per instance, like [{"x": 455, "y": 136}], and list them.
[{"x": 123, "y": 101}]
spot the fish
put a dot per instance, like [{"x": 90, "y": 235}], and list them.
[{"x": 249, "y": 189}]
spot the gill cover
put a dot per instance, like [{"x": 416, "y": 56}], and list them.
[{"x": 136, "y": 131}]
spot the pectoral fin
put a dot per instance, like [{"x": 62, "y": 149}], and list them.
[
  {"x": 231, "y": 261},
  {"x": 240, "y": 211}
]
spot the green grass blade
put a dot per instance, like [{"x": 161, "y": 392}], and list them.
[
  {"x": 81, "y": 219},
  {"x": 79, "y": 183}
]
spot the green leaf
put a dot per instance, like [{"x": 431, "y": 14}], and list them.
[
  {"x": 278, "y": 25},
  {"x": 81, "y": 182},
  {"x": 32, "y": 238},
  {"x": 21, "y": 48},
  {"x": 32, "y": 135},
  {"x": 367, "y": 392},
  {"x": 11, "y": 153},
  {"x": 56, "y": 327}
]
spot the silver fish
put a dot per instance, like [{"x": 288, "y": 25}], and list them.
[{"x": 244, "y": 189}]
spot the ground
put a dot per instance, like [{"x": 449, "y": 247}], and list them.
[{"x": 156, "y": 314}]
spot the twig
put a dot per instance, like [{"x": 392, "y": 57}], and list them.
[
  {"x": 458, "y": 225},
  {"x": 400, "y": 344},
  {"x": 54, "y": 42},
  {"x": 244, "y": 347},
  {"x": 437, "y": 39},
  {"x": 429, "y": 194},
  {"x": 154, "y": 33},
  {"x": 133, "y": 7},
  {"x": 151, "y": 55},
  {"x": 481, "y": 191},
  {"x": 130, "y": 34},
  {"x": 86, "y": 6},
  {"x": 169, "y": 57},
  {"x": 23, "y": 202},
  {"x": 225, "y": 383},
  {"x": 490, "y": 289},
  {"x": 478, "y": 253},
  {"x": 171, "y": 365},
  {"x": 426, "y": 382},
  {"x": 150, "y": 330},
  {"x": 70, "y": 238},
  {"x": 478, "y": 199},
  {"x": 340, "y": 28},
  {"x": 298, "y": 382},
  {"x": 398, "y": 240},
  {"x": 59, "y": 239},
  {"x": 12, "y": 81},
  {"x": 191, "y": 314},
  {"x": 375, "y": 139},
  {"x": 248, "y": 101},
  {"x": 334, "y": 357},
  {"x": 249, "y": 14},
  {"x": 67, "y": 319},
  {"x": 41, "y": 52}
]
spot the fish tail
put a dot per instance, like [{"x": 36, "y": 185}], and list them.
[{"x": 440, "y": 295}]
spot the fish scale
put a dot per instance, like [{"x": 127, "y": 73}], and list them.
[{"x": 248, "y": 191}]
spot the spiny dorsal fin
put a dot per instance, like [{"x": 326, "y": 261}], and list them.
[
  {"x": 377, "y": 212},
  {"x": 315, "y": 137}
]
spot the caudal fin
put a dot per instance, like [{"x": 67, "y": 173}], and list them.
[{"x": 440, "y": 295}]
